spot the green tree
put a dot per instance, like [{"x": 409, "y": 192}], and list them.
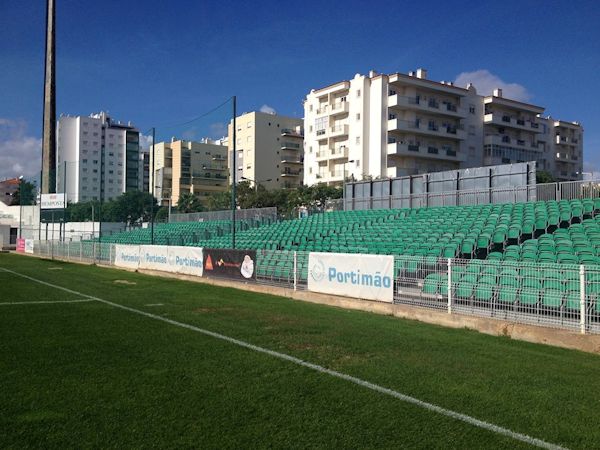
[
  {"x": 26, "y": 191},
  {"x": 543, "y": 176},
  {"x": 189, "y": 203},
  {"x": 219, "y": 201},
  {"x": 162, "y": 215}
]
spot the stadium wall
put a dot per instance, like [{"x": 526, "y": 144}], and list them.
[{"x": 537, "y": 295}]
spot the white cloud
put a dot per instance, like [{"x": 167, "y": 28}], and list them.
[
  {"x": 20, "y": 154},
  {"x": 145, "y": 142},
  {"x": 485, "y": 82},
  {"x": 267, "y": 109}
]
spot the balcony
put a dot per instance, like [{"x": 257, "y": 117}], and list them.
[
  {"x": 291, "y": 160},
  {"x": 338, "y": 131},
  {"x": 290, "y": 146},
  {"x": 288, "y": 132},
  {"x": 340, "y": 152},
  {"x": 339, "y": 108},
  {"x": 219, "y": 158},
  {"x": 565, "y": 157},
  {"x": 290, "y": 173},
  {"x": 507, "y": 141},
  {"x": 338, "y": 175},
  {"x": 432, "y": 106},
  {"x": 503, "y": 120},
  {"x": 411, "y": 126},
  {"x": 421, "y": 151},
  {"x": 565, "y": 140}
]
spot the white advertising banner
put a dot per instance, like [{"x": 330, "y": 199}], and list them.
[
  {"x": 52, "y": 201},
  {"x": 361, "y": 276},
  {"x": 127, "y": 256},
  {"x": 154, "y": 257},
  {"x": 28, "y": 245},
  {"x": 186, "y": 260}
]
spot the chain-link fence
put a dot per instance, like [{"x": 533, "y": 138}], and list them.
[{"x": 551, "y": 295}]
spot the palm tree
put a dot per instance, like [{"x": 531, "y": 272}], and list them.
[{"x": 189, "y": 203}]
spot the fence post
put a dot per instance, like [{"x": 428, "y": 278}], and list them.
[
  {"x": 295, "y": 269},
  {"x": 68, "y": 250},
  {"x": 582, "y": 312},
  {"x": 110, "y": 254},
  {"x": 449, "y": 285},
  {"x": 80, "y": 250}
]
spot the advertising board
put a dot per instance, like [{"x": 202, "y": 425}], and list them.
[
  {"x": 361, "y": 276},
  {"x": 234, "y": 264}
]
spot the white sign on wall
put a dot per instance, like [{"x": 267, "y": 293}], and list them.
[
  {"x": 127, "y": 256},
  {"x": 361, "y": 276},
  {"x": 154, "y": 257},
  {"x": 184, "y": 260},
  {"x": 52, "y": 201},
  {"x": 29, "y": 246}
]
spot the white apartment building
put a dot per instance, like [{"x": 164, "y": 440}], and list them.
[
  {"x": 101, "y": 156},
  {"x": 269, "y": 150},
  {"x": 396, "y": 125}
]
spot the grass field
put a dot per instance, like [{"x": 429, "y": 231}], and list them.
[{"x": 90, "y": 374}]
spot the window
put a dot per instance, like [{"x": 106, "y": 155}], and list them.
[
  {"x": 358, "y": 93},
  {"x": 391, "y": 116},
  {"x": 358, "y": 163},
  {"x": 358, "y": 139},
  {"x": 84, "y": 161},
  {"x": 471, "y": 130},
  {"x": 238, "y": 141},
  {"x": 391, "y": 92},
  {"x": 85, "y": 142},
  {"x": 310, "y": 170},
  {"x": 310, "y": 108},
  {"x": 249, "y": 125},
  {"x": 358, "y": 116},
  {"x": 249, "y": 139},
  {"x": 111, "y": 154}
]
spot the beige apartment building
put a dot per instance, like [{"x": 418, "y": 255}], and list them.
[
  {"x": 187, "y": 166},
  {"x": 405, "y": 124},
  {"x": 269, "y": 148}
]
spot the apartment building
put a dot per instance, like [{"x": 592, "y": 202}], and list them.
[
  {"x": 144, "y": 178},
  {"x": 396, "y": 125},
  {"x": 187, "y": 166},
  {"x": 101, "y": 156},
  {"x": 269, "y": 148}
]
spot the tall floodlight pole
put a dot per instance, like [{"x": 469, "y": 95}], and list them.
[
  {"x": 234, "y": 175},
  {"x": 48, "y": 185}
]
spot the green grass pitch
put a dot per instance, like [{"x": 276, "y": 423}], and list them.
[{"x": 91, "y": 375}]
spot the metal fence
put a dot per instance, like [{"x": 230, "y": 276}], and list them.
[
  {"x": 567, "y": 190},
  {"x": 551, "y": 295},
  {"x": 261, "y": 214}
]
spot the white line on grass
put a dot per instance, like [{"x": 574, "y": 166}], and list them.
[
  {"x": 82, "y": 300},
  {"x": 374, "y": 387}
]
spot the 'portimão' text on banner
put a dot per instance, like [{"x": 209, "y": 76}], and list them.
[
  {"x": 362, "y": 276},
  {"x": 127, "y": 256}
]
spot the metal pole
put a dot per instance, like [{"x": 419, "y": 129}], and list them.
[
  {"x": 65, "y": 202},
  {"x": 234, "y": 174},
  {"x": 20, "y": 207},
  {"x": 295, "y": 270},
  {"x": 153, "y": 188},
  {"x": 582, "y": 314},
  {"x": 449, "y": 286}
]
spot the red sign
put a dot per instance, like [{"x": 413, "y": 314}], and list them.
[{"x": 21, "y": 245}]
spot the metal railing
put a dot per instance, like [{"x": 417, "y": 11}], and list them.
[
  {"x": 551, "y": 295},
  {"x": 566, "y": 190},
  {"x": 240, "y": 214}
]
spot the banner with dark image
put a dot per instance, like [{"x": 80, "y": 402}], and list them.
[{"x": 234, "y": 264}]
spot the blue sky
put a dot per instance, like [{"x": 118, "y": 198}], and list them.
[{"x": 156, "y": 62}]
